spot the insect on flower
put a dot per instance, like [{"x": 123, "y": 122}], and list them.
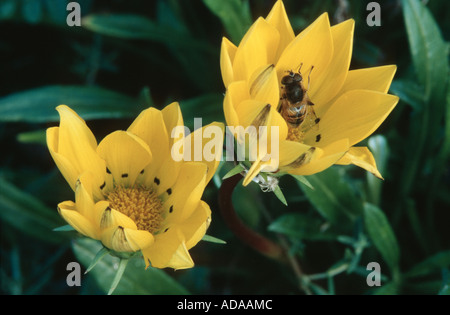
[{"x": 295, "y": 105}]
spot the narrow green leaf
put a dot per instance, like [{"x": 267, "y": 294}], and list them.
[
  {"x": 235, "y": 170},
  {"x": 303, "y": 180},
  {"x": 279, "y": 194},
  {"x": 410, "y": 92},
  {"x": 64, "y": 228},
  {"x": 35, "y": 137},
  {"x": 379, "y": 147},
  {"x": 428, "y": 49},
  {"x": 28, "y": 214},
  {"x": 234, "y": 15},
  {"x": 38, "y": 105},
  {"x": 98, "y": 257},
  {"x": 118, "y": 276},
  {"x": 431, "y": 264},
  {"x": 390, "y": 288},
  {"x": 131, "y": 26},
  {"x": 301, "y": 226},
  {"x": 382, "y": 236},
  {"x": 333, "y": 197},
  {"x": 135, "y": 279},
  {"x": 212, "y": 239}
]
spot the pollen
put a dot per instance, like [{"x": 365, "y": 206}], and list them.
[
  {"x": 295, "y": 134},
  {"x": 140, "y": 204}
]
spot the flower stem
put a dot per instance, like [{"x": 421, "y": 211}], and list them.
[
  {"x": 250, "y": 237},
  {"x": 254, "y": 239}
]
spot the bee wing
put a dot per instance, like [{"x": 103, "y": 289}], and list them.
[{"x": 310, "y": 119}]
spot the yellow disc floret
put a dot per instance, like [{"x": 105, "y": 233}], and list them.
[{"x": 141, "y": 204}]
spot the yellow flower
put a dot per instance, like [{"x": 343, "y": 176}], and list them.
[
  {"x": 129, "y": 192},
  {"x": 347, "y": 105}
]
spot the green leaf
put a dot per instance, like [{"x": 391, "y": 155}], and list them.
[
  {"x": 303, "y": 180},
  {"x": 379, "y": 147},
  {"x": 333, "y": 197},
  {"x": 279, "y": 194},
  {"x": 135, "y": 280},
  {"x": 390, "y": 288},
  {"x": 64, "y": 228},
  {"x": 234, "y": 15},
  {"x": 235, "y": 170},
  {"x": 428, "y": 49},
  {"x": 36, "y": 137},
  {"x": 212, "y": 239},
  {"x": 301, "y": 226},
  {"x": 409, "y": 91},
  {"x": 28, "y": 214},
  {"x": 38, "y": 105},
  {"x": 431, "y": 264},
  {"x": 206, "y": 106},
  {"x": 382, "y": 236},
  {"x": 131, "y": 26}
]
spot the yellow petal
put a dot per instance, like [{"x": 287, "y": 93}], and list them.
[
  {"x": 194, "y": 228},
  {"x": 362, "y": 157},
  {"x": 336, "y": 73},
  {"x": 84, "y": 197},
  {"x": 163, "y": 248},
  {"x": 64, "y": 165},
  {"x": 205, "y": 145},
  {"x": 149, "y": 126},
  {"x": 376, "y": 79},
  {"x": 236, "y": 93},
  {"x": 263, "y": 85},
  {"x": 331, "y": 154},
  {"x": 181, "y": 259},
  {"x": 255, "y": 169},
  {"x": 112, "y": 218},
  {"x": 167, "y": 174},
  {"x": 290, "y": 151},
  {"x": 68, "y": 211},
  {"x": 115, "y": 239},
  {"x": 138, "y": 239},
  {"x": 258, "y": 47},
  {"x": 278, "y": 18},
  {"x": 184, "y": 196},
  {"x": 77, "y": 144},
  {"x": 355, "y": 115},
  {"x": 227, "y": 53},
  {"x": 312, "y": 47},
  {"x": 249, "y": 110},
  {"x": 126, "y": 156}
]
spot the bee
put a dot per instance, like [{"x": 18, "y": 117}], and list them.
[{"x": 295, "y": 105}]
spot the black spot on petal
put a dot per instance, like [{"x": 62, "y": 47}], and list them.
[
  {"x": 317, "y": 120},
  {"x": 156, "y": 180},
  {"x": 103, "y": 185},
  {"x": 171, "y": 209},
  {"x": 125, "y": 175},
  {"x": 318, "y": 137},
  {"x": 142, "y": 172},
  {"x": 108, "y": 171},
  {"x": 169, "y": 191}
]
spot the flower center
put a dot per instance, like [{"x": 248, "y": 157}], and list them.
[
  {"x": 141, "y": 204},
  {"x": 295, "y": 134}
]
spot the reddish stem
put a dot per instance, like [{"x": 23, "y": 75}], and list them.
[{"x": 247, "y": 235}]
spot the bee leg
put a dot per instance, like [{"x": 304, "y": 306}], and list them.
[{"x": 309, "y": 76}]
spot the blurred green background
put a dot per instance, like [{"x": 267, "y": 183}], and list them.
[{"x": 129, "y": 55}]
